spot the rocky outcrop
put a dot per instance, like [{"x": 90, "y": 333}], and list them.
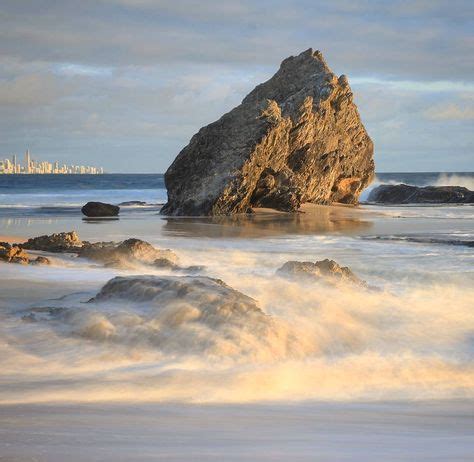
[
  {"x": 100, "y": 209},
  {"x": 296, "y": 138},
  {"x": 175, "y": 314},
  {"x": 406, "y": 194},
  {"x": 128, "y": 253},
  {"x": 187, "y": 298},
  {"x": 325, "y": 271},
  {"x": 14, "y": 254},
  {"x": 58, "y": 242}
]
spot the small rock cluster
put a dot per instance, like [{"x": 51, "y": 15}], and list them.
[
  {"x": 128, "y": 254},
  {"x": 58, "y": 242},
  {"x": 12, "y": 253}
]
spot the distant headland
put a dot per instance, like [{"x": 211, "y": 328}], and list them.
[{"x": 13, "y": 166}]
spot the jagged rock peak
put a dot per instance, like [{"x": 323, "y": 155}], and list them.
[{"x": 295, "y": 138}]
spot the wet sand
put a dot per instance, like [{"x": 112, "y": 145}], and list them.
[
  {"x": 326, "y": 432},
  {"x": 245, "y": 251}
]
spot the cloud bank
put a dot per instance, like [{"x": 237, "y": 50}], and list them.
[{"x": 112, "y": 80}]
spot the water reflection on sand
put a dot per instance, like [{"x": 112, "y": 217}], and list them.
[{"x": 313, "y": 219}]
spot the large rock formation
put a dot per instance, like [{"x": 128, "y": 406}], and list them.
[
  {"x": 406, "y": 194},
  {"x": 296, "y": 138}
]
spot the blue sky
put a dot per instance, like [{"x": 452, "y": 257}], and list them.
[{"x": 126, "y": 83}]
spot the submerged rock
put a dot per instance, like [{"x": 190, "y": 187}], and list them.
[
  {"x": 128, "y": 253},
  {"x": 41, "y": 261},
  {"x": 100, "y": 209},
  {"x": 58, "y": 242},
  {"x": 296, "y": 138},
  {"x": 406, "y": 194},
  {"x": 187, "y": 314},
  {"x": 212, "y": 296},
  {"x": 324, "y": 270}
]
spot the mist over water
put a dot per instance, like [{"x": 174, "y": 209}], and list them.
[
  {"x": 259, "y": 337},
  {"x": 312, "y": 341}
]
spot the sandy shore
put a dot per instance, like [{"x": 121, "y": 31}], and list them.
[{"x": 421, "y": 431}]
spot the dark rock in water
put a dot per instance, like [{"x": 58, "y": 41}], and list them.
[
  {"x": 59, "y": 242},
  {"x": 100, "y": 209},
  {"x": 296, "y": 138},
  {"x": 130, "y": 203},
  {"x": 41, "y": 261},
  {"x": 406, "y": 194},
  {"x": 127, "y": 254},
  {"x": 324, "y": 270}
]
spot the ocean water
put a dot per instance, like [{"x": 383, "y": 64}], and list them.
[
  {"x": 322, "y": 372},
  {"x": 72, "y": 191}
]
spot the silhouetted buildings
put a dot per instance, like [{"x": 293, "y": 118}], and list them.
[{"x": 12, "y": 166}]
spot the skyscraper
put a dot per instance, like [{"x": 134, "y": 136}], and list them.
[{"x": 27, "y": 161}]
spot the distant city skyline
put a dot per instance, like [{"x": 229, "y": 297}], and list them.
[
  {"x": 11, "y": 166},
  {"x": 164, "y": 69}
]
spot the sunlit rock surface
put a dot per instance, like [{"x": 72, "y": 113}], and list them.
[
  {"x": 296, "y": 138},
  {"x": 58, "y": 242},
  {"x": 128, "y": 253}
]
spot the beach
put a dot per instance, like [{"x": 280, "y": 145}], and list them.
[{"x": 343, "y": 372}]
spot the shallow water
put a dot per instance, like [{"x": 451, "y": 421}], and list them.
[
  {"x": 379, "y": 342},
  {"x": 358, "y": 353},
  {"x": 423, "y": 431}
]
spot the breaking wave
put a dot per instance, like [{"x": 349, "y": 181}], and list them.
[
  {"x": 448, "y": 179},
  {"x": 196, "y": 339}
]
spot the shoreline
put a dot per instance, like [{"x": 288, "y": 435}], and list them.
[{"x": 423, "y": 431}]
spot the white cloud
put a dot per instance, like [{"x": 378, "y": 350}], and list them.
[{"x": 449, "y": 112}]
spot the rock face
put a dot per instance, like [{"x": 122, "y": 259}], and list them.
[
  {"x": 59, "y": 242},
  {"x": 406, "y": 194},
  {"x": 296, "y": 138},
  {"x": 128, "y": 253},
  {"x": 324, "y": 270},
  {"x": 100, "y": 209}
]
